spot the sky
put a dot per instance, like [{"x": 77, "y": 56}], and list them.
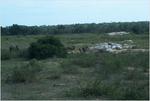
[{"x": 53, "y": 12}]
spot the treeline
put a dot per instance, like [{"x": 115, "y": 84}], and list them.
[{"x": 141, "y": 27}]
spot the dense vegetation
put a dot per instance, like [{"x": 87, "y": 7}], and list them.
[
  {"x": 133, "y": 27},
  {"x": 47, "y": 47},
  {"x": 94, "y": 76},
  {"x": 25, "y": 73},
  {"x": 117, "y": 76}
]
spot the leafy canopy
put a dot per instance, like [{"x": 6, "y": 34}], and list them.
[{"x": 47, "y": 47}]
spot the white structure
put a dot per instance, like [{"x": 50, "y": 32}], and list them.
[
  {"x": 110, "y": 47},
  {"x": 118, "y": 33}
]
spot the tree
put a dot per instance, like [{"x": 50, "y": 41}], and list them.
[
  {"x": 141, "y": 27},
  {"x": 47, "y": 47},
  {"x": 15, "y": 29}
]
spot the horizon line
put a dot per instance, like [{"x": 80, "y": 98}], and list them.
[{"x": 74, "y": 23}]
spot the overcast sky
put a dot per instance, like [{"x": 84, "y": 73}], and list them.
[{"x": 52, "y": 12}]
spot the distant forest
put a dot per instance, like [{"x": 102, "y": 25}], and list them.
[{"x": 141, "y": 27}]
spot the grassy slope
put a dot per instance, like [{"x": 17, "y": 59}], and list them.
[{"x": 77, "y": 69}]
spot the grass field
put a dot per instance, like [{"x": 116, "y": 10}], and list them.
[{"x": 78, "y": 76}]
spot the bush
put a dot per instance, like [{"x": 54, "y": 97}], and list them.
[
  {"x": 26, "y": 73},
  {"x": 85, "y": 60},
  {"x": 47, "y": 47},
  {"x": 110, "y": 90},
  {"x": 132, "y": 91},
  {"x": 23, "y": 53},
  {"x": 54, "y": 76},
  {"x": 53, "y": 73},
  {"x": 89, "y": 89},
  {"x": 69, "y": 68},
  {"x": 5, "y": 54}
]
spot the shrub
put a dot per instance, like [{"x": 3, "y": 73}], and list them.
[
  {"x": 5, "y": 55},
  {"x": 25, "y": 73},
  {"x": 91, "y": 89},
  {"x": 88, "y": 89},
  {"x": 53, "y": 73},
  {"x": 47, "y": 47},
  {"x": 68, "y": 67},
  {"x": 54, "y": 76},
  {"x": 132, "y": 91},
  {"x": 110, "y": 90},
  {"x": 23, "y": 53},
  {"x": 85, "y": 60}
]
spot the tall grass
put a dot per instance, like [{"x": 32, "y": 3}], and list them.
[
  {"x": 7, "y": 54},
  {"x": 110, "y": 90},
  {"x": 114, "y": 79},
  {"x": 69, "y": 68},
  {"x": 25, "y": 73}
]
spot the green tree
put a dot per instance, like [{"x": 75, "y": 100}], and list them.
[{"x": 47, "y": 47}]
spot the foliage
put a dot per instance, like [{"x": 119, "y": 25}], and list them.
[
  {"x": 86, "y": 89},
  {"x": 80, "y": 60},
  {"x": 54, "y": 76},
  {"x": 113, "y": 78},
  {"x": 92, "y": 88},
  {"x": 5, "y": 54},
  {"x": 25, "y": 73},
  {"x": 84, "y": 60},
  {"x": 133, "y": 27},
  {"x": 112, "y": 90},
  {"x": 121, "y": 76},
  {"x": 68, "y": 67},
  {"x": 46, "y": 47}
]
